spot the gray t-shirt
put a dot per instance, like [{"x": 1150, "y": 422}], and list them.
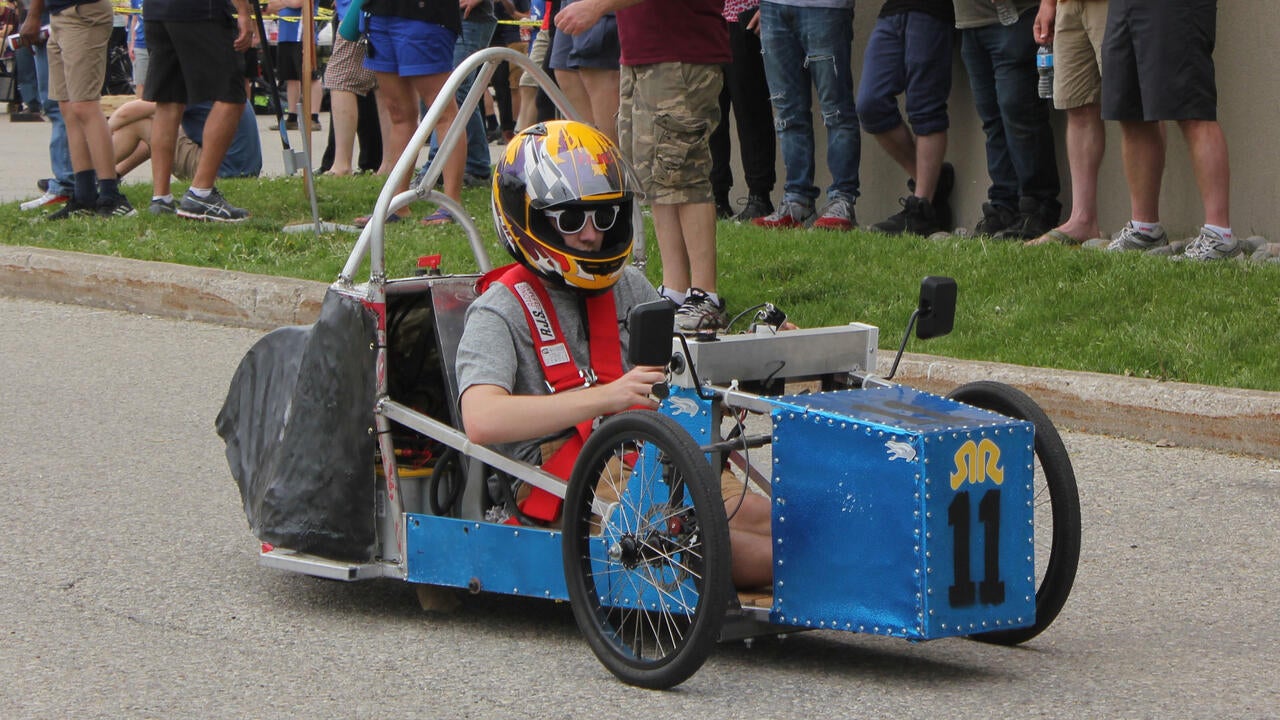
[{"x": 497, "y": 348}]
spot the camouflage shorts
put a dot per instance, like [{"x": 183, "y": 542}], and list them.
[{"x": 666, "y": 114}]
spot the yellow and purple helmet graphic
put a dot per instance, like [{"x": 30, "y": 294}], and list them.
[{"x": 557, "y": 165}]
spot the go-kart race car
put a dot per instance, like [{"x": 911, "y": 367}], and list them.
[{"x": 893, "y": 511}]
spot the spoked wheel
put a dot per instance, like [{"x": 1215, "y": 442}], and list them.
[
  {"x": 1056, "y": 506},
  {"x": 646, "y": 550}
]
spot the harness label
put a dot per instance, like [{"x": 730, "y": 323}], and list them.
[
  {"x": 539, "y": 314},
  {"x": 554, "y": 354}
]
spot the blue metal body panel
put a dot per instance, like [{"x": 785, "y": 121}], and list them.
[
  {"x": 501, "y": 558},
  {"x": 876, "y": 494},
  {"x": 692, "y": 412},
  {"x": 895, "y": 512}
]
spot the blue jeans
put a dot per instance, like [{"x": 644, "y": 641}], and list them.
[
  {"x": 24, "y": 66},
  {"x": 1020, "y": 154},
  {"x": 907, "y": 54},
  {"x": 59, "y": 153},
  {"x": 475, "y": 37},
  {"x": 803, "y": 45}
]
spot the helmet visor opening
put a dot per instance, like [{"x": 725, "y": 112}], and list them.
[{"x": 573, "y": 219}]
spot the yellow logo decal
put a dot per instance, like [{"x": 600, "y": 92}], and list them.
[{"x": 976, "y": 463}]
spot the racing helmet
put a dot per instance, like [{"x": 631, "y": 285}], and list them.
[{"x": 564, "y": 173}]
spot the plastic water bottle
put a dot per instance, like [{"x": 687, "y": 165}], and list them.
[
  {"x": 1007, "y": 13},
  {"x": 1044, "y": 65}
]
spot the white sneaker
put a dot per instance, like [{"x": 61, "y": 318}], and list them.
[
  {"x": 1130, "y": 239},
  {"x": 1209, "y": 245},
  {"x": 48, "y": 198},
  {"x": 699, "y": 313}
]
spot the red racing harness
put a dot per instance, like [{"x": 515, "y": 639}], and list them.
[{"x": 558, "y": 366}]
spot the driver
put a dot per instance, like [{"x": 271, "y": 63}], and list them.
[{"x": 562, "y": 201}]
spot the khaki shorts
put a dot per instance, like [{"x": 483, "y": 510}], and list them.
[
  {"x": 78, "y": 51},
  {"x": 537, "y": 53},
  {"x": 1077, "y": 53},
  {"x": 186, "y": 156},
  {"x": 666, "y": 114}
]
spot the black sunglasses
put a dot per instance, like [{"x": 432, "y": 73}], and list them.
[{"x": 572, "y": 220}]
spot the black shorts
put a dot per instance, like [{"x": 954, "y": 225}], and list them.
[
  {"x": 194, "y": 62},
  {"x": 252, "y": 68},
  {"x": 1157, "y": 60},
  {"x": 289, "y": 61}
]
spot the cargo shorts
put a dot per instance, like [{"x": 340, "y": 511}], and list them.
[{"x": 666, "y": 114}]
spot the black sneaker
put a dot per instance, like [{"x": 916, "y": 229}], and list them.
[
  {"x": 757, "y": 206},
  {"x": 71, "y": 209},
  {"x": 1034, "y": 219},
  {"x": 941, "y": 196},
  {"x": 472, "y": 180},
  {"x": 995, "y": 219},
  {"x": 43, "y": 184},
  {"x": 215, "y": 208},
  {"x": 918, "y": 217},
  {"x": 115, "y": 206},
  {"x": 946, "y": 218},
  {"x": 162, "y": 207},
  {"x": 724, "y": 210}
]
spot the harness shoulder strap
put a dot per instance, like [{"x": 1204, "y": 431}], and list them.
[{"x": 558, "y": 366}]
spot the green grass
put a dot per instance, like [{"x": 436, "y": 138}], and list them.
[{"x": 1217, "y": 324}]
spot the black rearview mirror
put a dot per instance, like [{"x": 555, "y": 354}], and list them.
[
  {"x": 651, "y": 327},
  {"x": 937, "y": 310}
]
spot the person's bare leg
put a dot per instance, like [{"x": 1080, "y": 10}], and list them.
[
  {"x": 1208, "y": 148},
  {"x": 401, "y": 103},
  {"x": 698, "y": 230},
  {"x": 570, "y": 82},
  {"x": 687, "y": 240},
  {"x": 164, "y": 141},
  {"x": 428, "y": 86},
  {"x": 1142, "y": 149},
  {"x": 292, "y": 96},
  {"x": 602, "y": 88},
  {"x": 346, "y": 115},
  {"x": 384, "y": 125},
  {"x": 1086, "y": 143},
  {"x": 900, "y": 145},
  {"x": 131, "y": 112},
  {"x": 129, "y": 143},
  {"x": 750, "y": 540},
  {"x": 317, "y": 97},
  {"x": 219, "y": 128},
  {"x": 89, "y": 137},
  {"x": 675, "y": 259},
  {"x": 528, "y": 107},
  {"x": 931, "y": 149}
]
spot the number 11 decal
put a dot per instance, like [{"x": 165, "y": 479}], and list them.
[{"x": 991, "y": 590}]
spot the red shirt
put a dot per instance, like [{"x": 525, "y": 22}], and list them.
[{"x": 688, "y": 31}]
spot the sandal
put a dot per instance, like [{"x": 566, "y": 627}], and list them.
[
  {"x": 439, "y": 217},
  {"x": 1054, "y": 236},
  {"x": 363, "y": 220}
]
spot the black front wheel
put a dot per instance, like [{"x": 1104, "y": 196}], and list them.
[
  {"x": 646, "y": 550},
  {"x": 1056, "y": 505}
]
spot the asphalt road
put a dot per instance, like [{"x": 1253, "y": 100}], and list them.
[{"x": 129, "y": 585}]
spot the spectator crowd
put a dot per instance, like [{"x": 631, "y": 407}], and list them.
[{"x": 660, "y": 79}]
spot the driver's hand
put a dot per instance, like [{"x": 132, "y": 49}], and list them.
[{"x": 633, "y": 389}]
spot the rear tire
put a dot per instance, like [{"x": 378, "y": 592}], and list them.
[
  {"x": 1056, "y": 501},
  {"x": 646, "y": 550}
]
